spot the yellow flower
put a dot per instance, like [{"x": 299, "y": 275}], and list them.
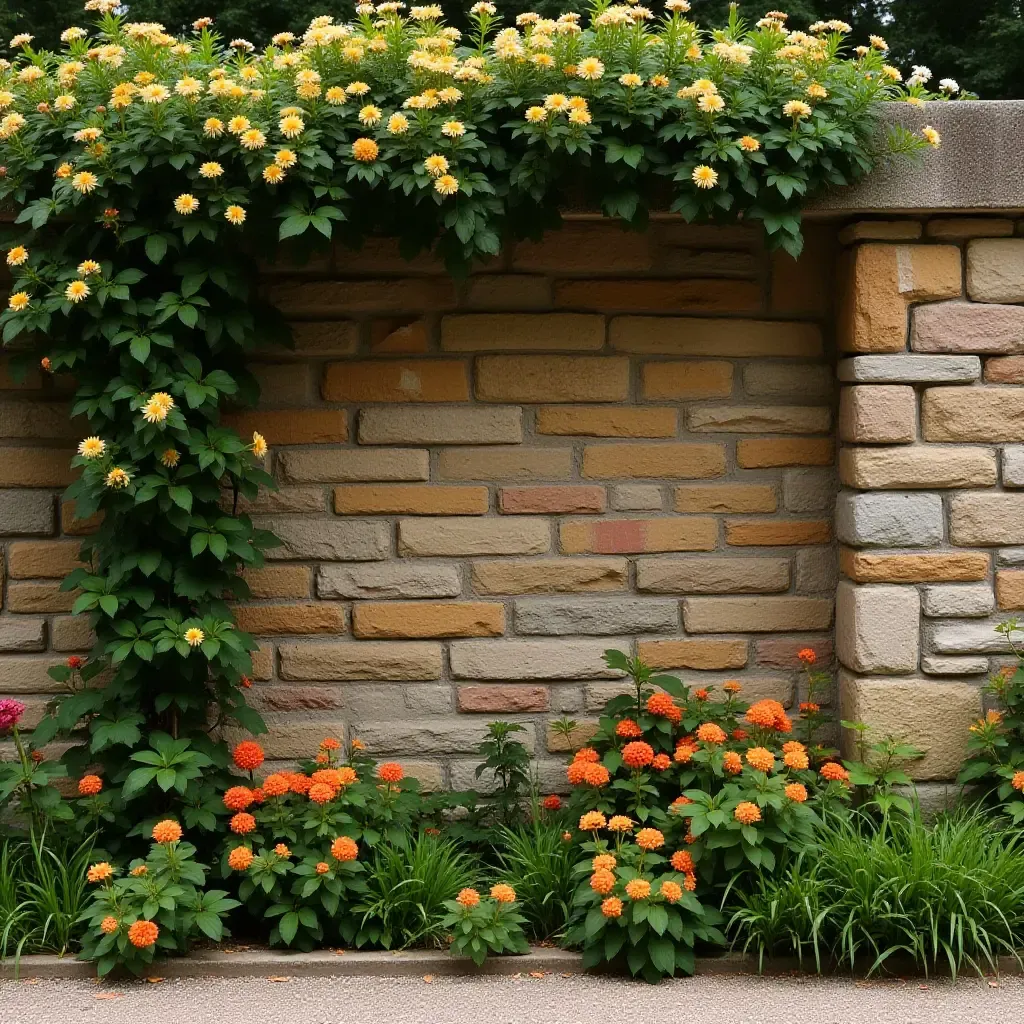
[
  {"x": 704, "y": 176},
  {"x": 398, "y": 124},
  {"x": 235, "y": 214},
  {"x": 291, "y": 126},
  {"x": 915, "y": 101},
  {"x": 536, "y": 114},
  {"x": 17, "y": 256},
  {"x": 253, "y": 139},
  {"x": 186, "y": 204},
  {"x": 64, "y": 102},
  {"x": 590, "y": 68},
  {"x": 188, "y": 86},
  {"x": 154, "y": 93},
  {"x": 239, "y": 124},
  {"x": 370, "y": 115},
  {"x": 659, "y": 81},
  {"x": 711, "y": 103},
  {"x": 453, "y": 129},
  {"x": 816, "y": 91},
  {"x": 76, "y": 291},
  {"x": 357, "y": 88},
  {"x": 211, "y": 169},
  {"x": 170, "y": 458},
  {"x": 118, "y": 478},
  {"x": 18, "y": 301},
  {"x": 194, "y": 636},
  {"x": 933, "y": 138},
  {"x": 272, "y": 174},
  {"x": 365, "y": 150},
  {"x": 92, "y": 448},
  {"x": 285, "y": 158},
  {"x": 6, "y": 99},
  {"x": 704, "y": 87},
  {"x": 156, "y": 409},
  {"x": 630, "y": 81},
  {"x": 84, "y": 182},
  {"x": 447, "y": 185},
  {"x": 259, "y": 445},
  {"x": 435, "y": 165},
  {"x": 579, "y": 116},
  {"x": 749, "y": 144},
  {"x": 796, "y": 109},
  {"x": 557, "y": 102},
  {"x": 893, "y": 74},
  {"x": 335, "y": 96},
  {"x": 213, "y": 127}
]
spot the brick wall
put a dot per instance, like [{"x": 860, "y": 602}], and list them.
[{"x": 605, "y": 439}]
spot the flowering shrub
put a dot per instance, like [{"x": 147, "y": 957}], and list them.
[{"x": 483, "y": 925}]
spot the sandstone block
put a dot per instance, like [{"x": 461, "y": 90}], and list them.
[
  {"x": 699, "y": 655},
  {"x": 549, "y": 575},
  {"x": 18, "y": 633},
  {"x": 637, "y": 498},
  {"x": 341, "y": 465},
  {"x": 968, "y": 327},
  {"x": 667, "y": 459},
  {"x": 396, "y": 380},
  {"x": 944, "y": 601},
  {"x": 784, "y": 652},
  {"x": 38, "y": 559},
  {"x": 410, "y": 425},
  {"x": 290, "y": 619},
  {"x": 28, "y": 598},
  {"x": 497, "y": 699},
  {"x": 372, "y": 660},
  {"x": 420, "y": 620},
  {"x": 907, "y": 368},
  {"x": 317, "y": 299},
  {"x": 817, "y": 570},
  {"x": 325, "y": 338},
  {"x": 508, "y": 291},
  {"x": 283, "y": 383},
  {"x": 428, "y": 737},
  {"x": 523, "y": 332},
  {"x": 551, "y": 500},
  {"x": 552, "y": 378},
  {"x": 512, "y": 463},
  {"x": 532, "y": 659},
  {"x": 263, "y": 662},
  {"x": 1005, "y": 370},
  {"x": 328, "y": 539},
  {"x": 291, "y": 426},
  {"x": 72, "y": 526},
  {"x": 982, "y": 520},
  {"x": 1013, "y": 466},
  {"x": 878, "y": 628},
  {"x": 917, "y": 466},
  {"x": 658, "y": 294},
  {"x": 633, "y": 536},
  {"x": 395, "y": 336},
  {"x": 973, "y": 414},
  {"x": 26, "y": 512},
  {"x": 278, "y": 581},
  {"x": 595, "y": 616},
  {"x": 692, "y": 379},
  {"x": 392, "y": 580},
  {"x": 808, "y": 490},
  {"x": 558, "y": 743},
  {"x": 36, "y": 467},
  {"x": 284, "y": 500},
  {"x": 880, "y": 231},
  {"x": 889, "y": 520},
  {"x": 586, "y": 247},
  {"x": 70, "y": 633},
  {"x": 712, "y": 575},
  {"x": 776, "y": 532},
  {"x": 934, "y": 568},
  {"x": 755, "y": 614},
  {"x": 693, "y": 336},
  {"x": 1010, "y": 556},
  {"x": 995, "y": 270},
  {"x": 767, "y": 419},
  {"x": 27, "y": 674},
  {"x": 769, "y": 453},
  {"x": 978, "y": 637},
  {"x": 957, "y": 229},
  {"x": 877, "y": 415},
  {"x": 777, "y": 380},
  {"x": 409, "y": 499},
  {"x": 605, "y": 421},
  {"x": 725, "y": 498},
  {"x": 950, "y": 665},
  {"x": 468, "y": 537},
  {"x": 1010, "y": 589}
]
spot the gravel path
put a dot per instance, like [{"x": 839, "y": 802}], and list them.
[{"x": 551, "y": 999}]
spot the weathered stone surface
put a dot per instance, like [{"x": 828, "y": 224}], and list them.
[
  {"x": 467, "y": 537},
  {"x": 394, "y": 580},
  {"x": 973, "y": 414},
  {"x": 514, "y": 462},
  {"x": 878, "y": 414},
  {"x": 552, "y": 378},
  {"x": 933, "y": 716},
  {"x": 595, "y": 616},
  {"x": 551, "y": 500},
  {"x": 637, "y": 498},
  {"x": 329, "y": 539},
  {"x": 1010, "y": 589},
  {"x": 549, "y": 575},
  {"x": 777, "y": 379},
  {"x": 916, "y": 467},
  {"x": 70, "y": 633},
  {"x": 497, "y": 699},
  {"x": 755, "y": 614},
  {"x": 283, "y": 501},
  {"x": 28, "y": 675},
  {"x": 687, "y": 380},
  {"x": 966, "y": 638},
  {"x": 411, "y": 425},
  {"x": 547, "y": 332},
  {"x": 995, "y": 270},
  {"x": 606, "y": 421},
  {"x": 19, "y": 633},
  {"x": 889, "y": 520},
  {"x": 1010, "y": 556},
  {"x": 770, "y": 452},
  {"x": 36, "y": 467},
  {"x": 668, "y": 459},
  {"x": 877, "y": 628},
  {"x": 278, "y": 581},
  {"x": 753, "y": 419},
  {"x": 982, "y": 520},
  {"x": 396, "y": 380},
  {"x": 42, "y": 559},
  {"x": 532, "y": 659},
  {"x": 422, "y": 619},
  {"x": 808, "y": 490},
  {"x": 694, "y": 336},
  {"x": 701, "y": 655},
  {"x": 357, "y": 660},
  {"x": 290, "y": 619},
  {"x": 944, "y": 601},
  {"x": 784, "y": 652},
  {"x": 409, "y": 499},
  {"x": 958, "y": 229},
  {"x": 712, "y": 575},
  {"x": 655, "y": 295},
  {"x": 942, "y": 567},
  {"x": 1005, "y": 370},
  {"x": 725, "y": 498},
  {"x": 1013, "y": 466},
  {"x": 331, "y": 465},
  {"x": 910, "y": 369},
  {"x": 26, "y": 512},
  {"x": 427, "y": 736},
  {"x": 291, "y": 426},
  {"x": 633, "y": 536},
  {"x": 817, "y": 570},
  {"x": 950, "y": 665},
  {"x": 967, "y": 327},
  {"x": 880, "y": 231},
  {"x": 777, "y": 532}
]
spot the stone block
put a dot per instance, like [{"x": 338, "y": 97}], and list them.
[
  {"x": 27, "y": 674},
  {"x": 42, "y": 559},
  {"x": 333, "y": 465},
  {"x": 409, "y": 499},
  {"x": 686, "y": 380},
  {"x": 278, "y": 581},
  {"x": 877, "y": 415},
  {"x": 933, "y": 716},
  {"x": 606, "y": 421},
  {"x": 18, "y": 633},
  {"x": 508, "y": 378},
  {"x": 421, "y": 619},
  {"x": 502, "y": 700},
  {"x": 322, "y": 299},
  {"x": 907, "y": 368},
  {"x": 1005, "y": 370},
  {"x": 291, "y": 426},
  {"x": 1013, "y": 466},
  {"x": 595, "y": 616},
  {"x": 754, "y": 419},
  {"x": 505, "y": 463},
  {"x": 429, "y": 737},
  {"x": 776, "y": 380},
  {"x": 26, "y": 512},
  {"x": 637, "y": 498},
  {"x": 951, "y": 665},
  {"x": 719, "y": 338},
  {"x": 508, "y": 291},
  {"x": 411, "y": 425},
  {"x": 712, "y": 575},
  {"x": 1010, "y": 556},
  {"x": 549, "y": 575},
  {"x": 817, "y": 570},
  {"x": 457, "y": 536},
  {"x": 635, "y": 536},
  {"x": 949, "y": 601},
  {"x": 699, "y": 655},
  {"x": 353, "y": 661},
  {"x": 878, "y": 628},
  {"x": 392, "y": 336},
  {"x": 396, "y": 380},
  {"x": 756, "y": 614},
  {"x": 947, "y": 567},
  {"x": 968, "y": 327},
  {"x": 773, "y": 452},
  {"x": 32, "y": 598},
  {"x": 784, "y": 652},
  {"x": 282, "y": 501},
  {"x": 983, "y": 520},
  {"x": 777, "y": 532},
  {"x": 1010, "y": 589},
  {"x": 394, "y": 580},
  {"x": 808, "y": 490},
  {"x": 655, "y": 295},
  {"x": 880, "y": 231},
  {"x": 725, "y": 498},
  {"x": 973, "y": 414},
  {"x": 70, "y": 633},
  {"x": 995, "y": 270},
  {"x": 551, "y": 500},
  {"x": 532, "y": 659},
  {"x": 889, "y": 520},
  {"x": 667, "y": 460},
  {"x": 324, "y": 339},
  {"x": 331, "y": 540},
  {"x": 36, "y": 467},
  {"x": 917, "y": 467},
  {"x": 522, "y": 332},
  {"x": 290, "y": 619},
  {"x": 959, "y": 229},
  {"x": 979, "y": 637}
]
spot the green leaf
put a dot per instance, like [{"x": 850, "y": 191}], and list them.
[
  {"x": 140, "y": 346},
  {"x": 156, "y": 245}
]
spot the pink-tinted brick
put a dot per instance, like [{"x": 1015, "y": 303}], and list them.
[
  {"x": 781, "y": 652},
  {"x": 502, "y": 699},
  {"x": 552, "y": 499}
]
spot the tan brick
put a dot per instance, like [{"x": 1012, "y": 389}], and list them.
[
  {"x": 379, "y": 254},
  {"x": 784, "y": 652},
  {"x": 397, "y": 380},
  {"x": 278, "y": 581},
  {"x": 606, "y": 421},
  {"x": 38, "y": 559},
  {"x": 71, "y": 633},
  {"x": 548, "y": 500},
  {"x": 704, "y": 575},
  {"x": 973, "y": 414},
  {"x": 498, "y": 699},
  {"x": 523, "y": 332},
  {"x": 978, "y": 519},
  {"x": 771, "y": 452},
  {"x": 880, "y": 231},
  {"x": 580, "y": 736},
  {"x": 700, "y": 655},
  {"x": 583, "y": 247},
  {"x": 372, "y": 660},
  {"x": 725, "y": 498},
  {"x": 468, "y": 537},
  {"x": 409, "y": 499},
  {"x": 339, "y": 466},
  {"x": 1010, "y": 589},
  {"x": 323, "y": 339},
  {"x": 337, "y": 298},
  {"x": 411, "y": 425},
  {"x": 713, "y": 295},
  {"x": 917, "y": 466},
  {"x": 505, "y": 464},
  {"x": 549, "y": 575},
  {"x": 755, "y": 614},
  {"x": 285, "y": 499},
  {"x": 637, "y": 461},
  {"x": 881, "y": 281},
  {"x": 691, "y": 379},
  {"x": 870, "y": 414},
  {"x": 772, "y": 532},
  {"x": 957, "y": 229},
  {"x": 776, "y": 379},
  {"x": 36, "y": 419},
  {"x": 753, "y": 419},
  {"x": 36, "y": 467},
  {"x": 804, "y": 287},
  {"x": 953, "y": 567},
  {"x": 422, "y": 620},
  {"x": 692, "y": 336},
  {"x": 291, "y": 426},
  {"x": 399, "y": 336},
  {"x": 39, "y": 597},
  {"x": 290, "y": 619},
  {"x": 552, "y": 378},
  {"x": 632, "y": 536},
  {"x": 72, "y": 525},
  {"x": 263, "y": 662},
  {"x": 1005, "y": 370},
  {"x": 283, "y": 383},
  {"x": 507, "y": 291}
]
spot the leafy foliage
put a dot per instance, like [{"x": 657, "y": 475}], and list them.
[
  {"x": 508, "y": 761},
  {"x": 483, "y": 926}
]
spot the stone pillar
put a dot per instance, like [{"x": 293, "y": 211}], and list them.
[{"x": 927, "y": 518}]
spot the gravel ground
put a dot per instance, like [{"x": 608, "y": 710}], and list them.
[{"x": 551, "y": 999}]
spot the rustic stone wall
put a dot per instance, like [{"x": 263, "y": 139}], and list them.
[{"x": 930, "y": 521}]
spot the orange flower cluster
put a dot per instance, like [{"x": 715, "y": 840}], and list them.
[
  {"x": 602, "y": 881},
  {"x": 1017, "y": 782},
  {"x": 649, "y": 839},
  {"x": 166, "y": 831},
  {"x": 638, "y": 889},
  {"x": 90, "y": 785},
  {"x": 586, "y": 769},
  {"x": 747, "y": 813},
  {"x": 503, "y": 893},
  {"x": 282, "y": 851},
  {"x": 834, "y": 772},
  {"x": 276, "y": 784},
  {"x": 637, "y": 755},
  {"x": 685, "y": 749},
  {"x": 330, "y": 743},
  {"x": 612, "y": 907},
  {"x": 796, "y": 792},
  {"x": 732, "y": 762},
  {"x": 242, "y": 823},
  {"x": 468, "y": 897},
  {"x": 769, "y": 714},
  {"x": 592, "y": 821},
  {"x": 662, "y": 704},
  {"x": 661, "y": 762},
  {"x": 603, "y": 861},
  {"x": 237, "y": 798},
  {"x": 709, "y": 732},
  {"x": 671, "y": 891},
  {"x": 109, "y": 925},
  {"x": 761, "y": 758},
  {"x": 344, "y": 848},
  {"x": 248, "y": 755},
  {"x": 620, "y": 823},
  {"x": 240, "y": 858},
  {"x": 390, "y": 772},
  {"x": 143, "y": 934}
]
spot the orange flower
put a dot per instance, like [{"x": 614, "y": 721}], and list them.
[
  {"x": 592, "y": 821},
  {"x": 282, "y": 851},
  {"x": 690, "y": 882},
  {"x": 638, "y": 889},
  {"x": 468, "y": 897},
  {"x": 701, "y": 694},
  {"x": 662, "y": 704},
  {"x": 237, "y": 798},
  {"x": 620, "y": 823},
  {"x": 768, "y": 714},
  {"x": 344, "y": 848},
  {"x": 139, "y": 871},
  {"x": 791, "y": 745},
  {"x": 649, "y": 839},
  {"x": 275, "y": 785},
  {"x": 552, "y": 803},
  {"x": 587, "y": 754},
  {"x": 109, "y": 925},
  {"x": 328, "y": 777},
  {"x": 143, "y": 934},
  {"x": 321, "y": 793},
  {"x": 322, "y": 867},
  {"x": 330, "y": 743},
  {"x": 242, "y": 823},
  {"x": 661, "y": 762},
  {"x": 389, "y": 771},
  {"x": 739, "y": 735},
  {"x": 808, "y": 707},
  {"x": 299, "y": 783},
  {"x": 1018, "y": 781},
  {"x": 166, "y": 831},
  {"x": 628, "y": 729},
  {"x": 682, "y": 861},
  {"x": 732, "y": 686},
  {"x": 346, "y": 776},
  {"x": 671, "y": 891},
  {"x": 603, "y": 861},
  {"x": 365, "y": 150},
  {"x": 681, "y": 801},
  {"x": 732, "y": 762},
  {"x": 637, "y": 754},
  {"x": 503, "y": 893},
  {"x": 796, "y": 792},
  {"x": 596, "y": 775},
  {"x": 576, "y": 772},
  {"x": 612, "y": 907},
  {"x": 711, "y": 733},
  {"x": 761, "y": 759},
  {"x": 89, "y": 785},
  {"x": 747, "y": 813},
  {"x": 807, "y": 656},
  {"x": 796, "y": 759},
  {"x": 684, "y": 752},
  {"x": 240, "y": 858},
  {"x": 248, "y": 755},
  {"x": 834, "y": 772},
  {"x": 602, "y": 881},
  {"x": 322, "y": 758}
]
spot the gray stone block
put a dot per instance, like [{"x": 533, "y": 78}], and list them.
[
  {"x": 892, "y": 520},
  {"x": 556, "y": 616},
  {"x": 1013, "y": 465},
  {"x": 19, "y": 633},
  {"x": 533, "y": 659},
  {"x": 26, "y": 511},
  {"x": 965, "y": 638},
  {"x": 817, "y": 570},
  {"x": 955, "y": 601},
  {"x": 388, "y": 580},
  {"x": 809, "y": 490},
  {"x": 877, "y": 628},
  {"x": 636, "y": 498},
  {"x": 909, "y": 369},
  {"x": 329, "y": 539},
  {"x": 951, "y": 665},
  {"x": 1010, "y": 556}
]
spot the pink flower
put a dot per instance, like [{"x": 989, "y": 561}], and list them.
[{"x": 10, "y": 712}]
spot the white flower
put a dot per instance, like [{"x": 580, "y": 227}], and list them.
[
  {"x": 949, "y": 85},
  {"x": 921, "y": 72}
]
